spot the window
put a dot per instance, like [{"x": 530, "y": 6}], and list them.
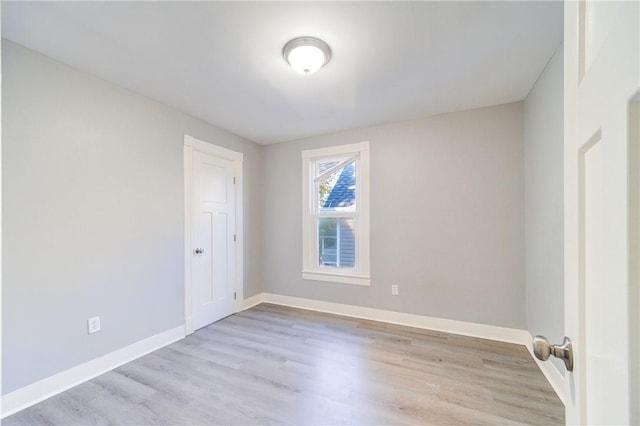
[{"x": 335, "y": 200}]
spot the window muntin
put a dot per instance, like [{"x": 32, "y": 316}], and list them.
[{"x": 336, "y": 222}]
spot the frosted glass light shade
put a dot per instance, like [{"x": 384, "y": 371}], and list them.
[
  {"x": 306, "y": 59},
  {"x": 306, "y": 54}
]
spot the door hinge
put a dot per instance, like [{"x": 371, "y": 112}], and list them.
[
  {"x": 234, "y": 295},
  {"x": 234, "y": 238},
  {"x": 234, "y": 180}
]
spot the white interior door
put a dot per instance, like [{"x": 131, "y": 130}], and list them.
[
  {"x": 602, "y": 79},
  {"x": 212, "y": 252}
]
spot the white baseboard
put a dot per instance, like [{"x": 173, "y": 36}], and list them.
[
  {"x": 554, "y": 377},
  {"x": 46, "y": 388},
  {"x": 252, "y": 301},
  {"x": 483, "y": 331},
  {"x": 502, "y": 334}
]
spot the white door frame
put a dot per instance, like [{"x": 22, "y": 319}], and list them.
[{"x": 192, "y": 144}]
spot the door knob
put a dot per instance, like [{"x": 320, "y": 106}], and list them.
[
  {"x": 542, "y": 349},
  {"x": 199, "y": 251}
]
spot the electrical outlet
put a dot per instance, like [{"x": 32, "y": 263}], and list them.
[
  {"x": 93, "y": 325},
  {"x": 394, "y": 289}
]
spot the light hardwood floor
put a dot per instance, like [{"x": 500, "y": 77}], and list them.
[{"x": 278, "y": 365}]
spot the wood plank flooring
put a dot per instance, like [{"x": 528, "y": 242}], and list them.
[{"x": 277, "y": 365}]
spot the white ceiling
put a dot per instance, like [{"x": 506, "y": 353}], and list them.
[{"x": 222, "y": 61}]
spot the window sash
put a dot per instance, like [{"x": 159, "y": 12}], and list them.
[
  {"x": 350, "y": 213},
  {"x": 315, "y": 206},
  {"x": 329, "y": 213}
]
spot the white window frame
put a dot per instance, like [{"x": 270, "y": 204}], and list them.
[{"x": 360, "y": 274}]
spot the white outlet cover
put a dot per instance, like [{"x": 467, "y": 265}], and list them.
[
  {"x": 394, "y": 289},
  {"x": 93, "y": 325}
]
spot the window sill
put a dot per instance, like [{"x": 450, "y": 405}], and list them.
[{"x": 336, "y": 278}]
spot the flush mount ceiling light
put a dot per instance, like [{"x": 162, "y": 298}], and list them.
[{"x": 306, "y": 54}]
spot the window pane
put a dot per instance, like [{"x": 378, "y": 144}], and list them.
[
  {"x": 336, "y": 242},
  {"x": 337, "y": 190}
]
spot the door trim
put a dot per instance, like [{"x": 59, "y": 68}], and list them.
[{"x": 192, "y": 144}]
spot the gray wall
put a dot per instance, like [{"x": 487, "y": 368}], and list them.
[
  {"x": 447, "y": 217},
  {"x": 543, "y": 118},
  {"x": 93, "y": 215}
]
